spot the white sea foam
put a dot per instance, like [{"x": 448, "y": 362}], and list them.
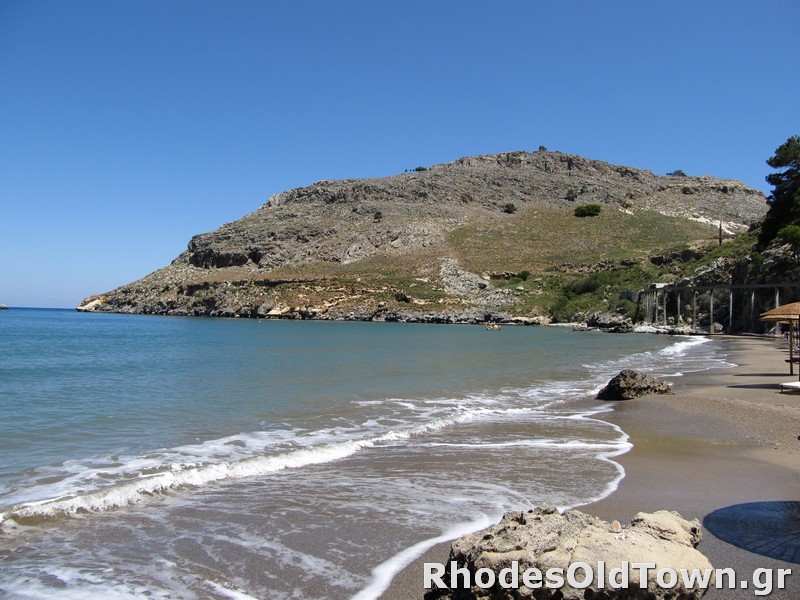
[
  {"x": 227, "y": 592},
  {"x": 171, "y": 476},
  {"x": 548, "y": 444},
  {"x": 383, "y": 574},
  {"x": 323, "y": 569},
  {"x": 72, "y": 583},
  {"x": 671, "y": 361},
  {"x": 682, "y": 347},
  {"x": 623, "y": 445}
]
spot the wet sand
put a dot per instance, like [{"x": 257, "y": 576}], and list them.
[{"x": 724, "y": 450}]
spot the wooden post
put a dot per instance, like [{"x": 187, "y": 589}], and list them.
[
  {"x": 792, "y": 339},
  {"x": 711, "y": 312},
  {"x": 652, "y": 308},
  {"x": 694, "y": 310},
  {"x": 730, "y": 310},
  {"x": 678, "y": 312},
  {"x": 655, "y": 307},
  {"x": 752, "y": 308}
]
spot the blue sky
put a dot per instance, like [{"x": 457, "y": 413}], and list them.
[{"x": 128, "y": 127}]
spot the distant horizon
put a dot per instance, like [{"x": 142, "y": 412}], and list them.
[{"x": 39, "y": 307}]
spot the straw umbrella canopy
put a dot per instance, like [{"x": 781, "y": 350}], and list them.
[{"x": 786, "y": 313}]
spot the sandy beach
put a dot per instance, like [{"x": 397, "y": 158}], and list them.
[{"x": 725, "y": 450}]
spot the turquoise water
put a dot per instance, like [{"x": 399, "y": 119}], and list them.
[{"x": 211, "y": 458}]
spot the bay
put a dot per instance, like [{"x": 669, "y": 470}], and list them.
[{"x": 211, "y": 458}]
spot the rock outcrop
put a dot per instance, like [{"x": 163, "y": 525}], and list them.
[
  {"x": 543, "y": 539},
  {"x": 91, "y": 304},
  {"x": 631, "y": 384},
  {"x": 609, "y": 323}
]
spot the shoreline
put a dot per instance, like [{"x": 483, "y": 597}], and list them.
[
  {"x": 727, "y": 441},
  {"x": 464, "y": 317}
]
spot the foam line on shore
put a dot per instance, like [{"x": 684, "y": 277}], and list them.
[
  {"x": 383, "y": 574},
  {"x": 179, "y": 476},
  {"x": 623, "y": 445}
]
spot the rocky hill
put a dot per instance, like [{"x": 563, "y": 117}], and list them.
[{"x": 483, "y": 235}]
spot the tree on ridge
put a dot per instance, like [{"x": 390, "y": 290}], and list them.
[{"x": 784, "y": 200}]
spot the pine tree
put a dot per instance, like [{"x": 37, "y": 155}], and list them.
[{"x": 784, "y": 200}]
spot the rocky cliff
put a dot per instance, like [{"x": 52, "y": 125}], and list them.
[{"x": 459, "y": 241}]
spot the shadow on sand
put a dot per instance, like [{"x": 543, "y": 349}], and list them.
[
  {"x": 781, "y": 375},
  {"x": 767, "y": 528},
  {"x": 756, "y": 386}
]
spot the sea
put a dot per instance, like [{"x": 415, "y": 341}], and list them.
[{"x": 169, "y": 457}]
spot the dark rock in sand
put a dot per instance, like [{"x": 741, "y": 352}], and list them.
[{"x": 632, "y": 384}]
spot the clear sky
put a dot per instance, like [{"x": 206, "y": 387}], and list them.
[{"x": 128, "y": 127}]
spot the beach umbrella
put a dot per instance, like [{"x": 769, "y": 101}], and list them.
[{"x": 786, "y": 313}]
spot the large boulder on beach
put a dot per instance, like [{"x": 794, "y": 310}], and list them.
[
  {"x": 609, "y": 323},
  {"x": 542, "y": 539},
  {"x": 633, "y": 384}
]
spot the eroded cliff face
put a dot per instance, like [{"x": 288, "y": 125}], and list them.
[{"x": 395, "y": 247}]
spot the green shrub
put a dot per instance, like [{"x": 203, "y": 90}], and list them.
[
  {"x": 676, "y": 173},
  {"x": 791, "y": 235},
  {"x": 571, "y": 195},
  {"x": 585, "y": 285},
  {"x": 510, "y": 208},
  {"x": 601, "y": 291},
  {"x": 624, "y": 307},
  {"x": 378, "y": 215},
  {"x": 588, "y": 210},
  {"x": 524, "y": 275},
  {"x": 420, "y": 169}
]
